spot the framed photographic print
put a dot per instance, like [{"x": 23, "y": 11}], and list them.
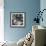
[{"x": 17, "y": 19}]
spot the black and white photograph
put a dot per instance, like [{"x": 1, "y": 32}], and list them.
[{"x": 17, "y": 19}]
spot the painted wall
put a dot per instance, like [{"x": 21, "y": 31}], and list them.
[
  {"x": 43, "y": 6},
  {"x": 28, "y": 6}
]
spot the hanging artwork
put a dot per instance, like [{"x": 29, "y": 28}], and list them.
[{"x": 17, "y": 19}]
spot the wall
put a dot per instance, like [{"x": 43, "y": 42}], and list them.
[
  {"x": 28, "y": 6},
  {"x": 43, "y": 6}
]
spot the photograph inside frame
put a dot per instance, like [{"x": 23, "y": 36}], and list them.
[{"x": 17, "y": 19}]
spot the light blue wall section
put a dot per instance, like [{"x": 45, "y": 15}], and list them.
[
  {"x": 28, "y": 6},
  {"x": 43, "y": 6}
]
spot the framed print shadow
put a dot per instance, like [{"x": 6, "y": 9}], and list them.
[{"x": 17, "y": 19}]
